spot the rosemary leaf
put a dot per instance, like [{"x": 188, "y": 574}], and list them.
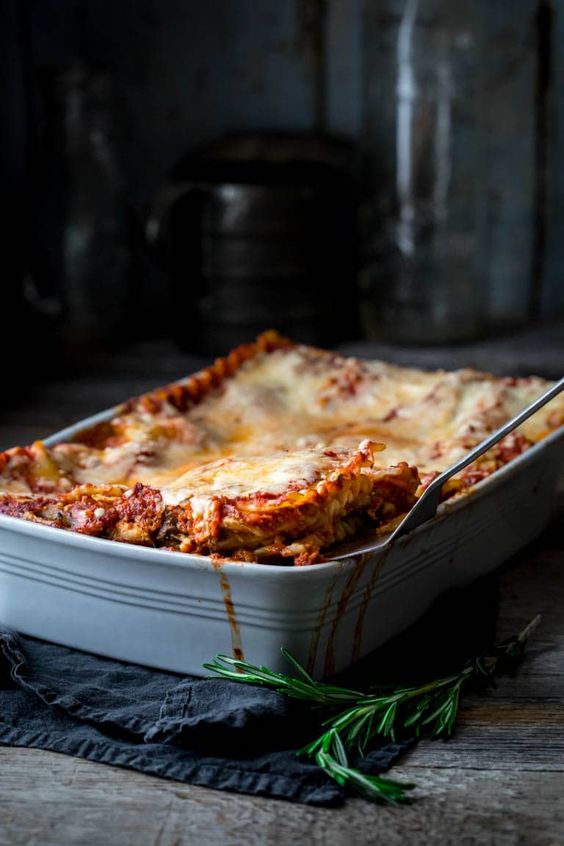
[{"x": 354, "y": 719}]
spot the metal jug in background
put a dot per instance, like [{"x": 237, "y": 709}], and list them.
[{"x": 258, "y": 231}]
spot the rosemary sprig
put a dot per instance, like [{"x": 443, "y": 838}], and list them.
[
  {"x": 355, "y": 718},
  {"x": 329, "y": 753}
]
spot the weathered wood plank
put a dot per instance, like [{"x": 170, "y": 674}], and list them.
[{"x": 52, "y": 800}]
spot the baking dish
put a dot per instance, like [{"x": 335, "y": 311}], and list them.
[{"x": 176, "y": 610}]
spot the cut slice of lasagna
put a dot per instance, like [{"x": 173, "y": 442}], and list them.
[
  {"x": 257, "y": 457},
  {"x": 288, "y": 505}
]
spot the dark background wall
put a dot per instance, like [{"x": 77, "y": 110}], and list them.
[
  {"x": 188, "y": 71},
  {"x": 184, "y": 72}
]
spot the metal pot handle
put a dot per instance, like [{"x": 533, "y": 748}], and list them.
[{"x": 158, "y": 221}]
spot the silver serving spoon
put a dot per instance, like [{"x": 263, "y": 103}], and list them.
[{"x": 427, "y": 504}]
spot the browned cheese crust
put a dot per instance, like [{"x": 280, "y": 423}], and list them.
[{"x": 272, "y": 454}]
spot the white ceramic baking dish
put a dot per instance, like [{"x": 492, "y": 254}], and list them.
[{"x": 176, "y": 611}]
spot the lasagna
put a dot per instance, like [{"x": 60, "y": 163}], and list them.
[{"x": 272, "y": 454}]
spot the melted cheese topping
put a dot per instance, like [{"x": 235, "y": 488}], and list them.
[
  {"x": 274, "y": 474},
  {"x": 260, "y": 425},
  {"x": 301, "y": 398}
]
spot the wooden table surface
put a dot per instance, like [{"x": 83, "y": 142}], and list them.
[{"x": 499, "y": 780}]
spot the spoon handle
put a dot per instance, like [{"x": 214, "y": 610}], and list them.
[{"x": 427, "y": 504}]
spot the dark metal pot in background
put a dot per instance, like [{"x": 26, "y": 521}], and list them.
[{"x": 259, "y": 231}]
